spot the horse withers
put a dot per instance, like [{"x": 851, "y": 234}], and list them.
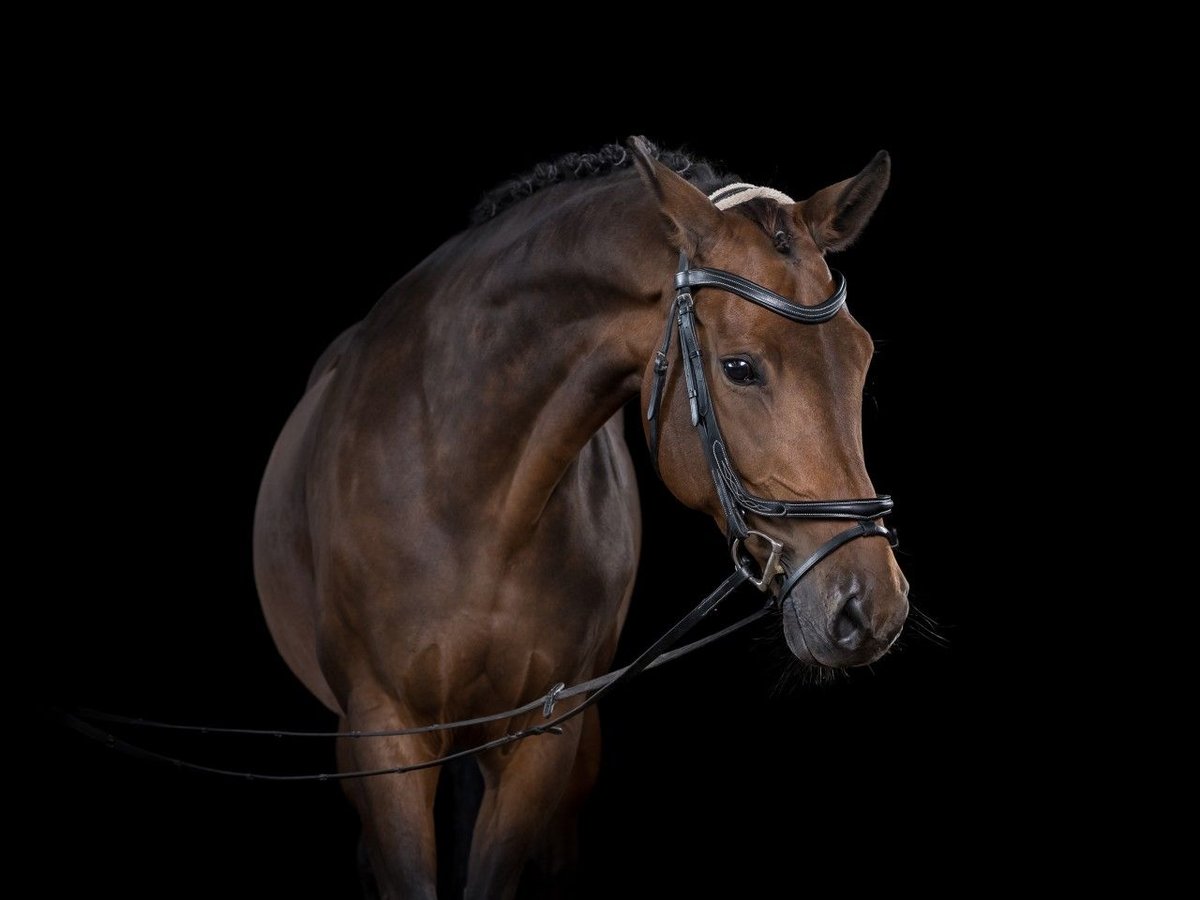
[{"x": 468, "y": 431}]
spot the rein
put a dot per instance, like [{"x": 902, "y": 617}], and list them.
[
  {"x": 654, "y": 655},
  {"x": 736, "y": 502}
]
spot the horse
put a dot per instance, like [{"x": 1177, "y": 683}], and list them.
[{"x": 449, "y": 521}]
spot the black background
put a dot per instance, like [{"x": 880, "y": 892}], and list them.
[{"x": 200, "y": 243}]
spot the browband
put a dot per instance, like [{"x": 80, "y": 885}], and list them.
[{"x": 768, "y": 299}]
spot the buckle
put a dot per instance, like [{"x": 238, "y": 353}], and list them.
[{"x": 769, "y": 571}]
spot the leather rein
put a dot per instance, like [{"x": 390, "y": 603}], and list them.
[{"x": 736, "y": 503}]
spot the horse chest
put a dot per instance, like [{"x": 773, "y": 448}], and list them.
[{"x": 458, "y": 606}]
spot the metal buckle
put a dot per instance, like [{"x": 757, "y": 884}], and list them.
[{"x": 770, "y": 570}]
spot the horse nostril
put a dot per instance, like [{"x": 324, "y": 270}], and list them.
[{"x": 850, "y": 626}]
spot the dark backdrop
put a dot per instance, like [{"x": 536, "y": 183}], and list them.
[{"x": 196, "y": 263}]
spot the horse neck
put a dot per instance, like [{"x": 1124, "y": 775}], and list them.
[{"x": 537, "y": 332}]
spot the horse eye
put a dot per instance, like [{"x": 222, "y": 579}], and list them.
[{"x": 739, "y": 370}]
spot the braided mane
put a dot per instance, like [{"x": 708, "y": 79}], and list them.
[{"x": 577, "y": 166}]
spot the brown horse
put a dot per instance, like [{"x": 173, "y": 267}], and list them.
[{"x": 449, "y": 522}]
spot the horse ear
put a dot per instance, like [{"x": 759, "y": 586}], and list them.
[
  {"x": 691, "y": 218},
  {"x": 836, "y": 215}
]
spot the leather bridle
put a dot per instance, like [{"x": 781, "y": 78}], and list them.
[{"x": 736, "y": 501}]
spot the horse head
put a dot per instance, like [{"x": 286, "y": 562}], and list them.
[{"x": 789, "y": 399}]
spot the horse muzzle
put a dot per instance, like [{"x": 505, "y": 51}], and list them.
[{"x": 846, "y": 621}]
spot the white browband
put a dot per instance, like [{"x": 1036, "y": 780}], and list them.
[{"x": 733, "y": 194}]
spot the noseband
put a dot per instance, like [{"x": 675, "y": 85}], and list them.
[{"x": 736, "y": 501}]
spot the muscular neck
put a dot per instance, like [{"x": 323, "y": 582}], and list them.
[{"x": 539, "y": 328}]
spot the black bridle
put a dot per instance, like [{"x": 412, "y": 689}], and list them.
[{"x": 736, "y": 501}]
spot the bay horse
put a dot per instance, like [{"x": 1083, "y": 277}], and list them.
[{"x": 449, "y": 521}]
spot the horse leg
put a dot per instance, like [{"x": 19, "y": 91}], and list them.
[
  {"x": 460, "y": 791},
  {"x": 557, "y": 858},
  {"x": 350, "y": 787},
  {"x": 522, "y": 789},
  {"x": 396, "y": 811},
  {"x": 366, "y": 874}
]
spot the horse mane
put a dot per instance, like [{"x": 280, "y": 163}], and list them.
[{"x": 578, "y": 166}]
